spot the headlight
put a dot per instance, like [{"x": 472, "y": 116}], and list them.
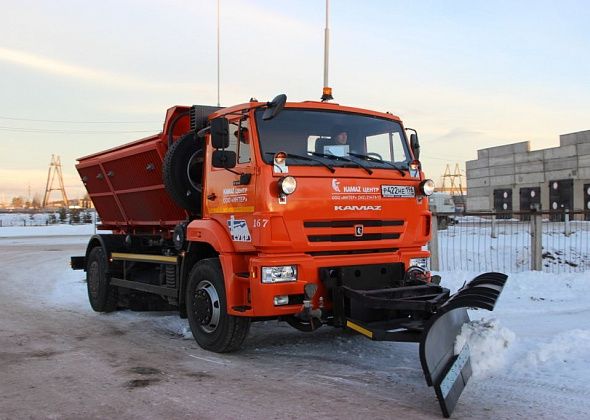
[
  {"x": 279, "y": 274},
  {"x": 427, "y": 187},
  {"x": 423, "y": 263},
  {"x": 287, "y": 185}
]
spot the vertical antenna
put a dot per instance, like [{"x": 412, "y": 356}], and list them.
[
  {"x": 327, "y": 91},
  {"x": 218, "y": 102}
]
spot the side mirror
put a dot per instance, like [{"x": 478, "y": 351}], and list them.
[
  {"x": 415, "y": 145},
  {"x": 220, "y": 133},
  {"x": 224, "y": 159},
  {"x": 274, "y": 107}
]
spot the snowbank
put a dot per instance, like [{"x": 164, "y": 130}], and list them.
[{"x": 50, "y": 230}]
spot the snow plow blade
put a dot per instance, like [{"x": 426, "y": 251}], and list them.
[{"x": 432, "y": 317}]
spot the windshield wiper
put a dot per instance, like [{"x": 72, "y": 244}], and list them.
[
  {"x": 292, "y": 155},
  {"x": 329, "y": 156},
  {"x": 374, "y": 159}
]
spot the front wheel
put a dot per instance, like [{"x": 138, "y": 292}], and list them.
[{"x": 206, "y": 308}]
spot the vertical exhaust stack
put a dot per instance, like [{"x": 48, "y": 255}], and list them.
[{"x": 327, "y": 91}]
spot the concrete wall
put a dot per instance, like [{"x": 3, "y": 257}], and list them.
[{"x": 515, "y": 166}]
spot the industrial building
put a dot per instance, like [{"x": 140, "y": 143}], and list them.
[{"x": 514, "y": 178}]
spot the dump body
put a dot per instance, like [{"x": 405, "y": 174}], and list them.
[{"x": 125, "y": 183}]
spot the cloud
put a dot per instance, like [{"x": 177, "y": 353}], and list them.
[
  {"x": 72, "y": 71},
  {"x": 459, "y": 133}
]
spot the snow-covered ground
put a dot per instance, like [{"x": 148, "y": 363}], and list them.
[
  {"x": 50, "y": 230},
  {"x": 39, "y": 224},
  {"x": 531, "y": 356}
]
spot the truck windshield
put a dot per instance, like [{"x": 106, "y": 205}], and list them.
[{"x": 342, "y": 139}]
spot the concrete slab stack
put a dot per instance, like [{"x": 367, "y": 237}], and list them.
[{"x": 515, "y": 166}]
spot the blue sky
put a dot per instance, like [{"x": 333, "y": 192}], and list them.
[{"x": 466, "y": 74}]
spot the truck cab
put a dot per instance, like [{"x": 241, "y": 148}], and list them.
[{"x": 299, "y": 201}]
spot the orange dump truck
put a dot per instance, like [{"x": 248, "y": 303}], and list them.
[{"x": 312, "y": 213}]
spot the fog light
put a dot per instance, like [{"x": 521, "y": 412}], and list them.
[
  {"x": 281, "y": 300},
  {"x": 279, "y": 274}
]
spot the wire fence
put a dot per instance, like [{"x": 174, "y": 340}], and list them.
[{"x": 506, "y": 242}]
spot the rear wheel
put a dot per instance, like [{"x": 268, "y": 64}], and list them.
[
  {"x": 206, "y": 307},
  {"x": 102, "y": 296}
]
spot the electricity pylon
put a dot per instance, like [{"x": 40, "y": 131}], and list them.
[
  {"x": 55, "y": 172},
  {"x": 454, "y": 181}
]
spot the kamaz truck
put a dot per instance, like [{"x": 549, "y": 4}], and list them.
[{"x": 312, "y": 213}]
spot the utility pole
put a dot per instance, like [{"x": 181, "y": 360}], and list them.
[{"x": 55, "y": 172}]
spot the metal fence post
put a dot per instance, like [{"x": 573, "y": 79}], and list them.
[
  {"x": 494, "y": 232},
  {"x": 567, "y": 227},
  {"x": 536, "y": 242},
  {"x": 433, "y": 245}
]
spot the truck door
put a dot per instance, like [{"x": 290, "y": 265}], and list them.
[{"x": 230, "y": 194}]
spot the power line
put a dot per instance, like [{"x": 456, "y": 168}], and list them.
[
  {"x": 58, "y": 131},
  {"x": 79, "y": 122}
]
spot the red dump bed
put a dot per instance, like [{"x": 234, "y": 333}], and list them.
[{"x": 125, "y": 183}]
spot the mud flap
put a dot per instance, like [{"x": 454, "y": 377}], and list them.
[{"x": 447, "y": 372}]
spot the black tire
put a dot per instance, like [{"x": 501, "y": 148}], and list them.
[
  {"x": 182, "y": 172},
  {"x": 102, "y": 296},
  {"x": 206, "y": 307}
]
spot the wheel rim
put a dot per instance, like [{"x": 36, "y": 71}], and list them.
[
  {"x": 206, "y": 306},
  {"x": 193, "y": 169},
  {"x": 93, "y": 278}
]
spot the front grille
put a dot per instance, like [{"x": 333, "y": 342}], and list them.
[
  {"x": 347, "y": 238},
  {"x": 352, "y": 252},
  {"x": 356, "y": 230},
  {"x": 352, "y": 223}
]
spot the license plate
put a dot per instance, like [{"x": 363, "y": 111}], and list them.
[{"x": 397, "y": 191}]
